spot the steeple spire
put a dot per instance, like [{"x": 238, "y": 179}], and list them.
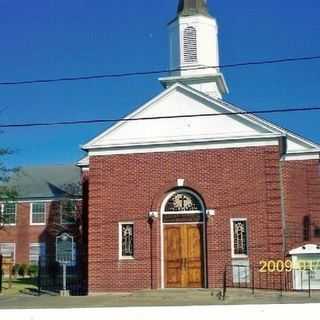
[
  {"x": 194, "y": 49},
  {"x": 192, "y": 7}
]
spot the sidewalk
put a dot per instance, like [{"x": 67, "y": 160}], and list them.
[{"x": 156, "y": 298}]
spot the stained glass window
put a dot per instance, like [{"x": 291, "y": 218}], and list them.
[
  {"x": 183, "y": 201},
  {"x": 240, "y": 237},
  {"x": 126, "y": 240}
]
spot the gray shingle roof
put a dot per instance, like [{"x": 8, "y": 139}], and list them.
[{"x": 45, "y": 182}]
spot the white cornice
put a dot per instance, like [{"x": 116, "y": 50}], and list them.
[
  {"x": 177, "y": 86},
  {"x": 237, "y": 142},
  {"x": 188, "y": 79},
  {"x": 83, "y": 163},
  {"x": 184, "y": 140},
  {"x": 299, "y": 156}
]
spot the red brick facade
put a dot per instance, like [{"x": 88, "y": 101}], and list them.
[
  {"x": 23, "y": 233},
  {"x": 237, "y": 183},
  {"x": 301, "y": 198}
]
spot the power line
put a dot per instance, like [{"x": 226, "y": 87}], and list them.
[
  {"x": 131, "y": 74},
  {"x": 78, "y": 122}
]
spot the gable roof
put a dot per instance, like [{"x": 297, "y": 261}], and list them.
[
  {"x": 181, "y": 100},
  {"x": 46, "y": 182}
]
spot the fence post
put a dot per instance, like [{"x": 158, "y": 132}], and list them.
[
  {"x": 309, "y": 282},
  {"x": 252, "y": 271},
  {"x": 224, "y": 291},
  {"x": 281, "y": 282},
  {"x": 0, "y": 273},
  {"x": 39, "y": 276}
]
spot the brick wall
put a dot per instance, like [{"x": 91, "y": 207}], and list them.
[
  {"x": 238, "y": 183},
  {"x": 302, "y": 198},
  {"x": 23, "y": 233}
]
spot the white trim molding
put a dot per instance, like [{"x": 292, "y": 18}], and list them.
[
  {"x": 236, "y": 142},
  {"x": 154, "y": 214},
  {"x": 210, "y": 212},
  {"x": 299, "y": 156},
  {"x": 83, "y": 163},
  {"x": 31, "y": 213},
  {"x": 16, "y": 213}
]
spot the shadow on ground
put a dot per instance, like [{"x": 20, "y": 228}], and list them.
[{"x": 155, "y": 298}]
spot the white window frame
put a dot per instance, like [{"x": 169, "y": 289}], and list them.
[
  {"x": 16, "y": 213},
  {"x": 38, "y": 244},
  {"x": 121, "y": 257},
  {"x": 14, "y": 249},
  {"x": 31, "y": 214},
  {"x": 61, "y": 207},
  {"x": 232, "y": 238}
]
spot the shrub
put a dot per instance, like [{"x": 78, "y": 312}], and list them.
[
  {"x": 22, "y": 270},
  {"x": 32, "y": 270},
  {"x": 15, "y": 270}
]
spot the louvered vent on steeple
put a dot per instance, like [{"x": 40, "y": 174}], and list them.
[
  {"x": 190, "y": 45},
  {"x": 194, "y": 49}
]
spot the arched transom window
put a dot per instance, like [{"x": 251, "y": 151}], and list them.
[
  {"x": 183, "y": 206},
  {"x": 190, "y": 45},
  {"x": 183, "y": 201}
]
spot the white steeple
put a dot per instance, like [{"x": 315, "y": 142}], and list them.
[{"x": 193, "y": 36}]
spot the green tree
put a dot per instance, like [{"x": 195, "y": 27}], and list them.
[{"x": 7, "y": 193}]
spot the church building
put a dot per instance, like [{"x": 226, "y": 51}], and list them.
[{"x": 174, "y": 199}]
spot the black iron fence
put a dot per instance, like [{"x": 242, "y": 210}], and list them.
[
  {"x": 50, "y": 276},
  {"x": 1, "y": 273},
  {"x": 251, "y": 277}
]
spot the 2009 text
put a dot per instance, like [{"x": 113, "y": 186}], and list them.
[{"x": 288, "y": 265}]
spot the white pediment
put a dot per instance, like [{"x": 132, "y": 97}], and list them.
[
  {"x": 179, "y": 101},
  {"x": 137, "y": 133},
  {"x": 297, "y": 144}
]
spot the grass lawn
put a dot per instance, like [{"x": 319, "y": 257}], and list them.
[{"x": 19, "y": 286}]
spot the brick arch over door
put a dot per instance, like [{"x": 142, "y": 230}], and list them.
[{"x": 183, "y": 239}]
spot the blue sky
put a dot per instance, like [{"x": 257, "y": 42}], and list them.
[{"x": 55, "y": 38}]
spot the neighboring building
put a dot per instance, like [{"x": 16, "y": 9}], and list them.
[
  {"x": 172, "y": 201},
  {"x": 48, "y": 203}
]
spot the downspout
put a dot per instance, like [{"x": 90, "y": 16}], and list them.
[{"x": 283, "y": 150}]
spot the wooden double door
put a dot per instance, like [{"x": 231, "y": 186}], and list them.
[{"x": 183, "y": 256}]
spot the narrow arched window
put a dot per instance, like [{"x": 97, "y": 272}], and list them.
[
  {"x": 190, "y": 45},
  {"x": 126, "y": 250},
  {"x": 239, "y": 237}
]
